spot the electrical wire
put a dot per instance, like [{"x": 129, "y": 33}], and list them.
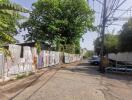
[
  {"x": 121, "y": 15},
  {"x": 112, "y": 13},
  {"x": 117, "y": 7},
  {"x": 125, "y": 12},
  {"x": 110, "y": 5},
  {"x": 99, "y": 2},
  {"x": 93, "y": 4},
  {"x": 113, "y": 6}
]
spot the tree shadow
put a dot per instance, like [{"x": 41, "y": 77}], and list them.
[{"x": 87, "y": 69}]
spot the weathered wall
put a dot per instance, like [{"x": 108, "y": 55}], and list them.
[
  {"x": 125, "y": 57},
  {"x": 31, "y": 60}
]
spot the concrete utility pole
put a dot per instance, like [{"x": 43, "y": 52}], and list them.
[{"x": 102, "y": 69}]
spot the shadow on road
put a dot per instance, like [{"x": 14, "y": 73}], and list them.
[{"x": 86, "y": 68}]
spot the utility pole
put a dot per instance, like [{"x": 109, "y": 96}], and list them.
[{"x": 104, "y": 20}]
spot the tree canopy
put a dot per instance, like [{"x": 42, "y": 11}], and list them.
[
  {"x": 117, "y": 43},
  {"x": 111, "y": 44},
  {"x": 59, "y": 21},
  {"x": 9, "y": 16},
  {"x": 125, "y": 37}
]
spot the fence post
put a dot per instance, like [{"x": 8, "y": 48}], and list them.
[{"x": 2, "y": 69}]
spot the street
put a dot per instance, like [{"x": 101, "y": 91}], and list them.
[
  {"x": 80, "y": 82},
  {"x": 60, "y": 49}
]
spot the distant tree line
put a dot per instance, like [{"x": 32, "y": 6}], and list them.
[
  {"x": 88, "y": 54},
  {"x": 116, "y": 43}
]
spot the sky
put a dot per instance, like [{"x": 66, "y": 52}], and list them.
[{"x": 88, "y": 37}]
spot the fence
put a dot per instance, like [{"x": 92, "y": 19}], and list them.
[
  {"x": 123, "y": 57},
  {"x": 1, "y": 64},
  {"x": 120, "y": 62},
  {"x": 26, "y": 59},
  {"x": 69, "y": 58}
]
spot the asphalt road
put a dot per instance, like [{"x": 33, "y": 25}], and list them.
[{"x": 80, "y": 82}]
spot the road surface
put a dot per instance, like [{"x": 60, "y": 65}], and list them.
[{"x": 80, "y": 82}]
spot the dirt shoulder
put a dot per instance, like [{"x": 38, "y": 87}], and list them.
[{"x": 13, "y": 87}]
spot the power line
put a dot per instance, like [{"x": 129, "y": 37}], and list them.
[
  {"x": 99, "y": 2},
  {"x": 119, "y": 17},
  {"x": 114, "y": 5},
  {"x": 122, "y": 10},
  {"x": 109, "y": 5},
  {"x": 93, "y": 4},
  {"x": 117, "y": 7},
  {"x": 125, "y": 11},
  {"x": 114, "y": 25}
]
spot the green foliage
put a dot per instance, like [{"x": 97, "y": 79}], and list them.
[
  {"x": 88, "y": 54},
  {"x": 111, "y": 43},
  {"x": 6, "y": 52},
  {"x": 15, "y": 7},
  {"x": 126, "y": 37},
  {"x": 5, "y": 38},
  {"x": 23, "y": 75},
  {"x": 38, "y": 46},
  {"x": 69, "y": 48},
  {"x": 121, "y": 43},
  {"x": 59, "y": 22},
  {"x": 9, "y": 20},
  {"x": 20, "y": 76}
]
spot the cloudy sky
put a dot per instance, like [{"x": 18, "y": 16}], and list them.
[{"x": 89, "y": 37}]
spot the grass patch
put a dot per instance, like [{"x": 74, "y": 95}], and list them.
[
  {"x": 30, "y": 73},
  {"x": 20, "y": 76}
]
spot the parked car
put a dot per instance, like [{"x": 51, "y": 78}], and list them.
[{"x": 94, "y": 60}]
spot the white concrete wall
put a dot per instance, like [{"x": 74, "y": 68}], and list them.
[
  {"x": 15, "y": 65},
  {"x": 125, "y": 57},
  {"x": 1, "y": 63}
]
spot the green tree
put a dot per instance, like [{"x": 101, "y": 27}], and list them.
[
  {"x": 125, "y": 37},
  {"x": 9, "y": 16},
  {"x": 111, "y": 44},
  {"x": 59, "y": 22},
  {"x": 88, "y": 54}
]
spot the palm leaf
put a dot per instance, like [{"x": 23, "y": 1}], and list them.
[
  {"x": 12, "y": 13},
  {"x": 6, "y": 37},
  {"x": 9, "y": 15},
  {"x": 14, "y": 7}
]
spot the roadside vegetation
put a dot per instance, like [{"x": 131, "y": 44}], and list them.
[
  {"x": 117, "y": 43},
  {"x": 88, "y": 54},
  {"x": 9, "y": 23},
  {"x": 60, "y": 23}
]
